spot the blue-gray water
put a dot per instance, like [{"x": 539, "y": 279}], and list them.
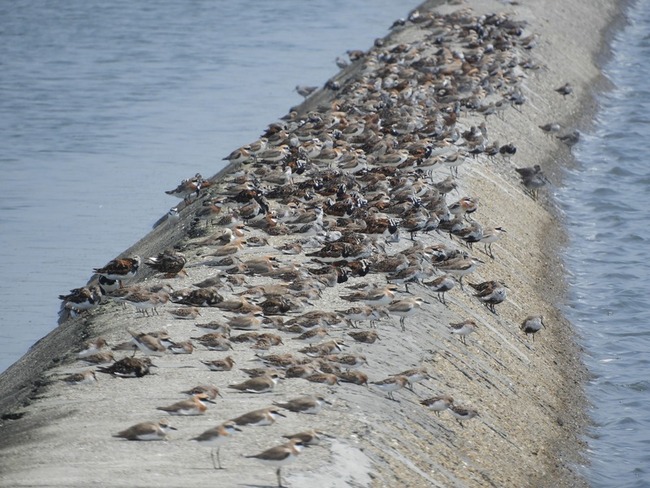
[
  {"x": 607, "y": 203},
  {"x": 104, "y": 105}
]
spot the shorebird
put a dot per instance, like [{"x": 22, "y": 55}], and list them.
[
  {"x": 438, "y": 404},
  {"x": 128, "y": 368},
  {"x": 280, "y": 456},
  {"x": 169, "y": 262},
  {"x": 327, "y": 378},
  {"x": 120, "y": 269},
  {"x": 405, "y": 308},
  {"x": 551, "y": 127},
  {"x": 391, "y": 384},
  {"x": 355, "y": 315},
  {"x": 148, "y": 344},
  {"x": 534, "y": 183},
  {"x": 441, "y": 285},
  {"x": 415, "y": 375},
  {"x": 570, "y": 138},
  {"x": 374, "y": 296},
  {"x": 184, "y": 347},
  {"x": 463, "y": 329},
  {"x": 305, "y": 91},
  {"x": 347, "y": 360},
  {"x": 407, "y": 275},
  {"x": 366, "y": 336},
  {"x": 259, "y": 418},
  {"x": 300, "y": 371},
  {"x": 305, "y": 404},
  {"x": 92, "y": 347},
  {"x": 108, "y": 286},
  {"x": 99, "y": 358},
  {"x": 491, "y": 293},
  {"x": 144, "y": 300},
  {"x": 225, "y": 364},
  {"x": 250, "y": 321},
  {"x": 309, "y": 437},
  {"x": 216, "y": 437},
  {"x": 532, "y": 178},
  {"x": 490, "y": 236},
  {"x": 240, "y": 155},
  {"x": 462, "y": 413},
  {"x": 321, "y": 349},
  {"x": 187, "y": 188},
  {"x": 80, "y": 299},
  {"x": 196, "y": 405},
  {"x": 532, "y": 324},
  {"x": 565, "y": 89},
  {"x": 460, "y": 267},
  {"x": 313, "y": 336},
  {"x": 529, "y": 172},
  {"x": 147, "y": 431},
  {"x": 82, "y": 378},
  {"x": 354, "y": 376},
  {"x": 470, "y": 234},
  {"x": 260, "y": 384},
  {"x": 210, "y": 391}
]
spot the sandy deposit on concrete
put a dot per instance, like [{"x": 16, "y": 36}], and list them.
[{"x": 528, "y": 394}]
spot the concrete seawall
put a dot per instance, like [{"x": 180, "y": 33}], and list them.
[{"x": 528, "y": 394}]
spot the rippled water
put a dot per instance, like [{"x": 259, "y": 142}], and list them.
[
  {"x": 103, "y": 105},
  {"x": 607, "y": 201}
]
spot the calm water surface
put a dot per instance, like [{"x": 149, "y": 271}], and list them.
[
  {"x": 607, "y": 201},
  {"x": 104, "y": 105}
]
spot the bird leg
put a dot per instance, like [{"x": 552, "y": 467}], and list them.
[{"x": 218, "y": 463}]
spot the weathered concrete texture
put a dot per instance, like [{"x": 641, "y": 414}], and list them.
[{"x": 528, "y": 394}]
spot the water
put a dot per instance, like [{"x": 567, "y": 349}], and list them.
[
  {"x": 104, "y": 105},
  {"x": 606, "y": 201}
]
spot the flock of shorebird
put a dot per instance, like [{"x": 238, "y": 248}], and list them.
[{"x": 319, "y": 200}]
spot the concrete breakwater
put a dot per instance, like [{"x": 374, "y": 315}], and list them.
[{"x": 431, "y": 99}]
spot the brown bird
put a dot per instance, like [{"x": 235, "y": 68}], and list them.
[
  {"x": 280, "y": 456},
  {"x": 185, "y": 313},
  {"x": 260, "y": 384},
  {"x": 216, "y": 437},
  {"x": 308, "y": 437},
  {"x": 147, "y": 431},
  {"x": 120, "y": 269},
  {"x": 211, "y": 391},
  {"x": 193, "y": 406},
  {"x": 128, "y": 368},
  {"x": 99, "y": 358},
  {"x": 220, "y": 364},
  {"x": 438, "y": 403},
  {"x": 169, "y": 262},
  {"x": 327, "y": 378},
  {"x": 305, "y": 404},
  {"x": 84, "y": 377},
  {"x": 366, "y": 336},
  {"x": 259, "y": 418}
]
